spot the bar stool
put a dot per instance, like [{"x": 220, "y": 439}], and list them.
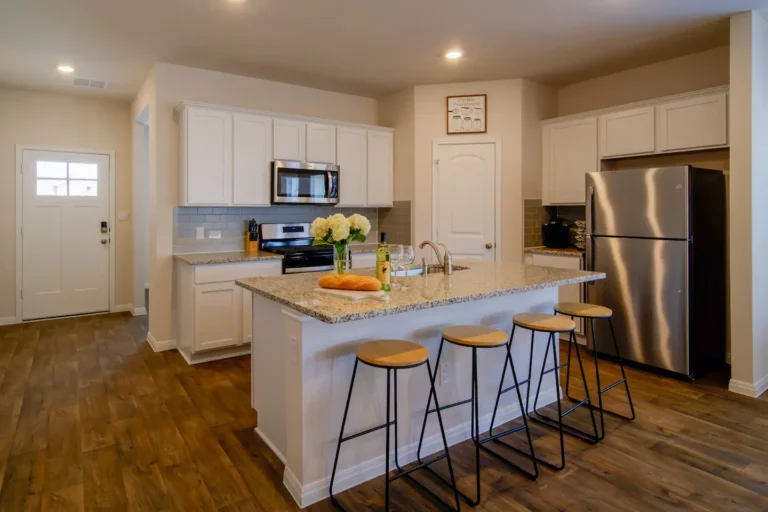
[
  {"x": 550, "y": 324},
  {"x": 394, "y": 355},
  {"x": 478, "y": 337},
  {"x": 591, "y": 312}
]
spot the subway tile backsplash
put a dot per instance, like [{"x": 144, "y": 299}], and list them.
[
  {"x": 396, "y": 222},
  {"x": 233, "y": 222}
]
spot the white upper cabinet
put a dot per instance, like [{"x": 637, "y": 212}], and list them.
[
  {"x": 693, "y": 123},
  {"x": 569, "y": 152},
  {"x": 321, "y": 143},
  {"x": 289, "y": 139},
  {"x": 629, "y": 132},
  {"x": 206, "y": 156},
  {"x": 251, "y": 160},
  {"x": 352, "y": 157},
  {"x": 380, "y": 168}
]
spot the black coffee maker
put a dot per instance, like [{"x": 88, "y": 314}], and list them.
[{"x": 556, "y": 233}]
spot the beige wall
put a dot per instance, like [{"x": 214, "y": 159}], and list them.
[
  {"x": 397, "y": 111},
  {"x": 539, "y": 102},
  {"x": 504, "y": 122},
  {"x": 688, "y": 73},
  {"x": 46, "y": 119},
  {"x": 174, "y": 84},
  {"x": 748, "y": 119}
]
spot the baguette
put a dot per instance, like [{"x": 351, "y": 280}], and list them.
[{"x": 350, "y": 282}]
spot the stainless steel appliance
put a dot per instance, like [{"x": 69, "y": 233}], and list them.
[
  {"x": 295, "y": 182},
  {"x": 659, "y": 235},
  {"x": 294, "y": 242}
]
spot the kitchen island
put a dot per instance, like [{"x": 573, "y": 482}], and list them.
[{"x": 303, "y": 351}]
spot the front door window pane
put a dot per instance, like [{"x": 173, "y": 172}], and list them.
[
  {"x": 51, "y": 187},
  {"x": 81, "y": 171},
  {"x": 83, "y": 187},
  {"x": 52, "y": 170}
]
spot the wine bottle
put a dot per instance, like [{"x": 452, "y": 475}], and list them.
[{"x": 382, "y": 264}]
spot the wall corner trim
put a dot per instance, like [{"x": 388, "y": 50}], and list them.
[
  {"x": 751, "y": 389},
  {"x": 160, "y": 346},
  {"x": 139, "y": 311},
  {"x": 8, "y": 320}
]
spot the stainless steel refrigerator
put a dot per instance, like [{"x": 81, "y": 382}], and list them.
[{"x": 659, "y": 235}]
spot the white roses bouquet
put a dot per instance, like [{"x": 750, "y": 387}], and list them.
[{"x": 338, "y": 231}]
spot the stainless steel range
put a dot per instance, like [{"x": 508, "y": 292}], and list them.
[{"x": 294, "y": 242}]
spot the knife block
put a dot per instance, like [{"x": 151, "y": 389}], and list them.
[{"x": 250, "y": 245}]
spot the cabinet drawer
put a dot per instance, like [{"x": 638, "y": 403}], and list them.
[{"x": 234, "y": 271}]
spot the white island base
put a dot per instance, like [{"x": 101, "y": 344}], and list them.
[{"x": 302, "y": 369}]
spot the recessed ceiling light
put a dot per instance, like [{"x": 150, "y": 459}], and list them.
[
  {"x": 64, "y": 68},
  {"x": 453, "y": 54}
]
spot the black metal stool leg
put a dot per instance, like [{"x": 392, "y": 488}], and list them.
[
  {"x": 507, "y": 359},
  {"x": 341, "y": 434},
  {"x": 386, "y": 471},
  {"x": 543, "y": 419},
  {"x": 623, "y": 377},
  {"x": 432, "y": 378},
  {"x": 572, "y": 338}
]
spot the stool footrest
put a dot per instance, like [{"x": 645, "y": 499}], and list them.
[
  {"x": 608, "y": 388},
  {"x": 554, "y": 369},
  {"x": 444, "y": 407},
  {"x": 493, "y": 437},
  {"x": 374, "y": 429},
  {"x": 579, "y": 404},
  {"x": 422, "y": 465},
  {"x": 510, "y": 388}
]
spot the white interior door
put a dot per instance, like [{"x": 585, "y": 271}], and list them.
[
  {"x": 465, "y": 199},
  {"x": 65, "y": 254}
]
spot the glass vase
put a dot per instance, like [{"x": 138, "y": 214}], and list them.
[{"x": 341, "y": 259}]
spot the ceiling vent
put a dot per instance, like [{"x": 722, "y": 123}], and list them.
[{"x": 88, "y": 82}]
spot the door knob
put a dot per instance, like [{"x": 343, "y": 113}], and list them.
[
  {"x": 489, "y": 245},
  {"x": 104, "y": 241}
]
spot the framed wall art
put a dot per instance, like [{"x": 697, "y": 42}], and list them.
[{"x": 467, "y": 114}]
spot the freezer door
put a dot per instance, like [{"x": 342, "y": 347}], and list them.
[
  {"x": 649, "y": 203},
  {"x": 647, "y": 289}
]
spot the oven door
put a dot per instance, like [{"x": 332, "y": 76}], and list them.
[
  {"x": 295, "y": 182},
  {"x": 300, "y": 262}
]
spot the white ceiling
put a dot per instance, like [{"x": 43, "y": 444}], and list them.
[{"x": 366, "y": 47}]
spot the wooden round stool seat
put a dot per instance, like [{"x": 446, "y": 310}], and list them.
[
  {"x": 583, "y": 310},
  {"x": 475, "y": 336},
  {"x": 392, "y": 353},
  {"x": 544, "y": 322}
]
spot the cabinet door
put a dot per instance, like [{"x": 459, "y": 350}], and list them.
[
  {"x": 289, "y": 141},
  {"x": 247, "y": 336},
  {"x": 251, "y": 160},
  {"x": 217, "y": 316},
  {"x": 630, "y": 132},
  {"x": 209, "y": 157},
  {"x": 351, "y": 154},
  {"x": 567, "y": 293},
  {"x": 570, "y": 151},
  {"x": 380, "y": 168},
  {"x": 321, "y": 143},
  {"x": 693, "y": 123}
]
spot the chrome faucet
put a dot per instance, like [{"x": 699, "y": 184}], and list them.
[{"x": 445, "y": 261}]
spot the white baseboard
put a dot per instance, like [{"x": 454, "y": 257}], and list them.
[
  {"x": 119, "y": 308},
  {"x": 350, "y": 477},
  {"x": 751, "y": 389},
  {"x": 8, "y": 320},
  {"x": 160, "y": 346},
  {"x": 272, "y": 447},
  {"x": 214, "y": 355},
  {"x": 139, "y": 311}
]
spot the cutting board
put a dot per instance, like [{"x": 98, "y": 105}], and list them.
[{"x": 354, "y": 295}]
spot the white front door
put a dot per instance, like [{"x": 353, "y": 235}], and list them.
[
  {"x": 65, "y": 253},
  {"x": 466, "y": 206}
]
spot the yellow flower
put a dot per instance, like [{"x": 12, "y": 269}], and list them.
[
  {"x": 319, "y": 228},
  {"x": 339, "y": 226},
  {"x": 360, "y": 223}
]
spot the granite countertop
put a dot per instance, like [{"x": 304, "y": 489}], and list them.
[
  {"x": 214, "y": 258},
  {"x": 570, "y": 251},
  {"x": 482, "y": 280}
]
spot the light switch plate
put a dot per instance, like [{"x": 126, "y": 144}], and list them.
[
  {"x": 122, "y": 215},
  {"x": 216, "y": 234},
  {"x": 200, "y": 232}
]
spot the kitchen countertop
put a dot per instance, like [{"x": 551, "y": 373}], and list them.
[
  {"x": 215, "y": 258},
  {"x": 482, "y": 280},
  {"x": 570, "y": 251}
]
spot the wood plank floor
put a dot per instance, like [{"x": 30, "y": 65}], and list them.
[{"x": 92, "y": 419}]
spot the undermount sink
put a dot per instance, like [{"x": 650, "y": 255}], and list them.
[{"x": 432, "y": 269}]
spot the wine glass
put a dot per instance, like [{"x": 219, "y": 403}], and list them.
[
  {"x": 409, "y": 256},
  {"x": 395, "y": 256}
]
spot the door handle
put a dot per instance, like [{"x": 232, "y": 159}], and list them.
[
  {"x": 104, "y": 241},
  {"x": 489, "y": 245}
]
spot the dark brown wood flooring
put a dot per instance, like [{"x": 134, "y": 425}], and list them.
[{"x": 92, "y": 419}]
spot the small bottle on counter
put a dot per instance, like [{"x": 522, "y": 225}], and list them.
[{"x": 383, "y": 267}]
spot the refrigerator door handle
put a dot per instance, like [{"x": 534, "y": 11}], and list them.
[{"x": 590, "y": 203}]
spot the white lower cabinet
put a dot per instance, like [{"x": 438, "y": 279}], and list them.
[
  {"x": 214, "y": 314},
  {"x": 568, "y": 293}
]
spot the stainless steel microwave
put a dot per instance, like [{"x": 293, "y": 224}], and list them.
[{"x": 295, "y": 182}]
